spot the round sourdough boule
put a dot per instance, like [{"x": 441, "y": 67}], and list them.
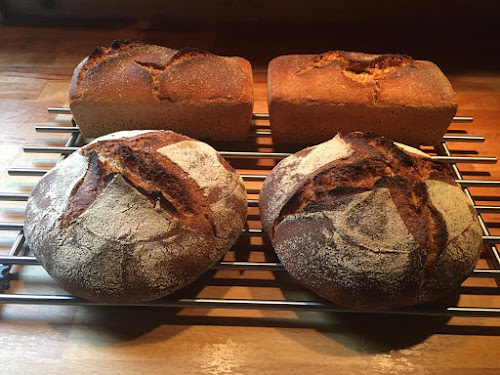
[
  {"x": 134, "y": 216},
  {"x": 370, "y": 224}
]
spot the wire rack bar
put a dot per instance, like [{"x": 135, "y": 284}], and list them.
[
  {"x": 245, "y": 232},
  {"x": 270, "y": 155},
  {"x": 214, "y": 303},
  {"x": 11, "y": 226},
  {"x": 462, "y": 138},
  {"x": 57, "y": 129},
  {"x": 18, "y": 197},
  {"x": 59, "y": 110},
  {"x": 16, "y": 171},
  {"x": 462, "y": 119},
  {"x": 252, "y": 133},
  {"x": 22, "y": 197},
  {"x": 255, "y": 116},
  {"x": 15, "y": 249},
  {"x": 225, "y": 265},
  {"x": 27, "y": 171}
]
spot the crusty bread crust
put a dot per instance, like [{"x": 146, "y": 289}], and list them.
[
  {"x": 135, "y": 216},
  {"x": 373, "y": 226},
  {"x": 133, "y": 85},
  {"x": 312, "y": 97}
]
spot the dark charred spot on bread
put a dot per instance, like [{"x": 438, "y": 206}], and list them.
[
  {"x": 147, "y": 170},
  {"x": 378, "y": 163},
  {"x": 153, "y": 175},
  {"x": 98, "y": 51},
  {"x": 86, "y": 191},
  {"x": 119, "y": 43},
  {"x": 187, "y": 54},
  {"x": 359, "y": 67}
]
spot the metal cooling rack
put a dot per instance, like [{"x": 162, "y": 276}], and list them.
[{"x": 16, "y": 257}]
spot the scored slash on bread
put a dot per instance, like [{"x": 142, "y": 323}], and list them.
[{"x": 372, "y": 225}]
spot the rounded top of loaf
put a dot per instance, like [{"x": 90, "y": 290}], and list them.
[
  {"x": 370, "y": 224},
  {"x": 359, "y": 78},
  {"x": 134, "y": 216},
  {"x": 133, "y": 71}
]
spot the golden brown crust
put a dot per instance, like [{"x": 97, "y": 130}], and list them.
[
  {"x": 347, "y": 91},
  {"x": 133, "y": 85}
]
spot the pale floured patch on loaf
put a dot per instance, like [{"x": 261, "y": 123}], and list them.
[
  {"x": 319, "y": 254},
  {"x": 292, "y": 170},
  {"x": 120, "y": 135},
  {"x": 120, "y": 212},
  {"x": 118, "y": 217},
  {"x": 93, "y": 253},
  {"x": 175, "y": 261},
  {"x": 452, "y": 203},
  {"x": 462, "y": 250},
  {"x": 341, "y": 238},
  {"x": 224, "y": 189},
  {"x": 48, "y": 199},
  {"x": 372, "y": 220},
  {"x": 411, "y": 150}
]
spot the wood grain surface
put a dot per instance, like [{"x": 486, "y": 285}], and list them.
[{"x": 36, "y": 64}]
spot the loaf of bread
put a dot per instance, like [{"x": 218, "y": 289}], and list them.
[
  {"x": 134, "y": 216},
  {"x": 312, "y": 97},
  {"x": 133, "y": 85},
  {"x": 370, "y": 224}
]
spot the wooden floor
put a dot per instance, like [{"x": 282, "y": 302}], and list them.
[{"x": 36, "y": 65}]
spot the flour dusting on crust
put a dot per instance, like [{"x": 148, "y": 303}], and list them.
[
  {"x": 224, "y": 189},
  {"x": 297, "y": 167}
]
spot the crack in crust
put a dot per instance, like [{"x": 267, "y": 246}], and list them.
[
  {"x": 155, "y": 70},
  {"x": 153, "y": 175},
  {"x": 359, "y": 67},
  {"x": 378, "y": 163}
]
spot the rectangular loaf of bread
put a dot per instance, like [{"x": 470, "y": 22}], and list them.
[
  {"x": 312, "y": 97},
  {"x": 133, "y": 85}
]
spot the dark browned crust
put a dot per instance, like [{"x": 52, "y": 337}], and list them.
[
  {"x": 153, "y": 175},
  {"x": 85, "y": 191}
]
